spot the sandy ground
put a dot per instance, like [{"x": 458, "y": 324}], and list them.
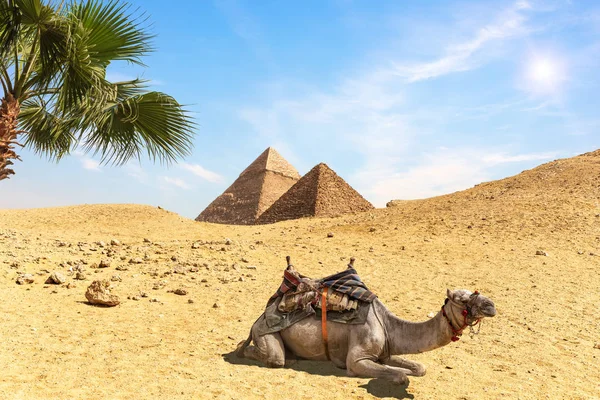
[{"x": 542, "y": 344}]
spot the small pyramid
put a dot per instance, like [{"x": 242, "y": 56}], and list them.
[
  {"x": 319, "y": 193},
  {"x": 255, "y": 190}
]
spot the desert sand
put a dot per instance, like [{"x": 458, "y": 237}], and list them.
[{"x": 543, "y": 343}]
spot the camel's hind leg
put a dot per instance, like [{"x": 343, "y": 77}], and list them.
[
  {"x": 412, "y": 368},
  {"x": 268, "y": 349}
]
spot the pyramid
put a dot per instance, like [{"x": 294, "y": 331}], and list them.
[
  {"x": 257, "y": 187},
  {"x": 319, "y": 193}
]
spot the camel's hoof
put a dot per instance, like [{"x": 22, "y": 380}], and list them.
[{"x": 421, "y": 371}]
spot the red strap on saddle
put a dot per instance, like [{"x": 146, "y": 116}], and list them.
[{"x": 324, "y": 320}]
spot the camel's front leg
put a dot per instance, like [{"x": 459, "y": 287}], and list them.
[
  {"x": 268, "y": 349},
  {"x": 411, "y": 368},
  {"x": 371, "y": 369}
]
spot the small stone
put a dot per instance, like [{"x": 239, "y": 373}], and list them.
[
  {"x": 204, "y": 280},
  {"x": 154, "y": 300},
  {"x": 180, "y": 292},
  {"x": 541, "y": 253},
  {"x": 179, "y": 269},
  {"x": 251, "y": 267},
  {"x": 146, "y": 240},
  {"x": 56, "y": 278},
  {"x": 330, "y": 235},
  {"x": 99, "y": 293},
  {"x": 116, "y": 278},
  {"x": 372, "y": 229},
  {"x": 80, "y": 276},
  {"x": 597, "y": 346},
  {"x": 241, "y": 279},
  {"x": 228, "y": 242},
  {"x": 173, "y": 258},
  {"x": 216, "y": 305},
  {"x": 115, "y": 242},
  {"x": 194, "y": 269},
  {"x": 122, "y": 268},
  {"x": 101, "y": 244},
  {"x": 143, "y": 294},
  {"x": 580, "y": 252},
  {"x": 195, "y": 245},
  {"x": 245, "y": 260},
  {"x": 136, "y": 260},
  {"x": 62, "y": 244},
  {"x": 136, "y": 298},
  {"x": 24, "y": 279},
  {"x": 105, "y": 263},
  {"x": 190, "y": 301}
]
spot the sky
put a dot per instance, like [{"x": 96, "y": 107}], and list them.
[{"x": 404, "y": 100}]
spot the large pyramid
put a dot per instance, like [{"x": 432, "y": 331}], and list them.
[
  {"x": 319, "y": 193},
  {"x": 257, "y": 187}
]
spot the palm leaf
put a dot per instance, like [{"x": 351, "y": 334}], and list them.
[
  {"x": 153, "y": 121},
  {"x": 47, "y": 133},
  {"x": 114, "y": 34},
  {"x": 10, "y": 23}
]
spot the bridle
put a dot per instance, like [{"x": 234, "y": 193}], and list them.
[{"x": 466, "y": 313}]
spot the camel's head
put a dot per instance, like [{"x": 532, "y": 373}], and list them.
[{"x": 477, "y": 305}]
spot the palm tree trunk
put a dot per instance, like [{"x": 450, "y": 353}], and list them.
[{"x": 9, "y": 111}]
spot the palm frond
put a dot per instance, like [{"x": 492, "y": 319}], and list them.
[
  {"x": 153, "y": 121},
  {"x": 10, "y": 24},
  {"x": 113, "y": 33},
  {"x": 47, "y": 133}
]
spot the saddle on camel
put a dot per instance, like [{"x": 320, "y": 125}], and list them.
[
  {"x": 337, "y": 318},
  {"x": 347, "y": 300}
]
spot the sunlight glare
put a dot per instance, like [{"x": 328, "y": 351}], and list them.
[{"x": 544, "y": 74}]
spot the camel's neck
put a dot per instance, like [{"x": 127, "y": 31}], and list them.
[{"x": 406, "y": 337}]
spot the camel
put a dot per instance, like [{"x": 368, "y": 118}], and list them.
[{"x": 372, "y": 349}]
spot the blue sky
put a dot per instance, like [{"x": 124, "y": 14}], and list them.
[{"x": 402, "y": 100}]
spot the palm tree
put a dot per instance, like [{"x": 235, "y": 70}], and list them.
[{"x": 53, "y": 61}]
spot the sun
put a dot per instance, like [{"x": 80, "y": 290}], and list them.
[
  {"x": 544, "y": 74},
  {"x": 544, "y": 71}
]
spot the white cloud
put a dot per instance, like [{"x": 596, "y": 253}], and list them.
[
  {"x": 502, "y": 158},
  {"x": 180, "y": 183},
  {"x": 136, "y": 172},
  {"x": 462, "y": 57},
  {"x": 202, "y": 172},
  {"x": 438, "y": 172},
  {"x": 90, "y": 164},
  {"x": 87, "y": 162}
]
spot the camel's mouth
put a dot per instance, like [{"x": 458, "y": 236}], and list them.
[{"x": 488, "y": 310}]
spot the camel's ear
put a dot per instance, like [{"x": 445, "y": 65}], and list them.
[{"x": 449, "y": 293}]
